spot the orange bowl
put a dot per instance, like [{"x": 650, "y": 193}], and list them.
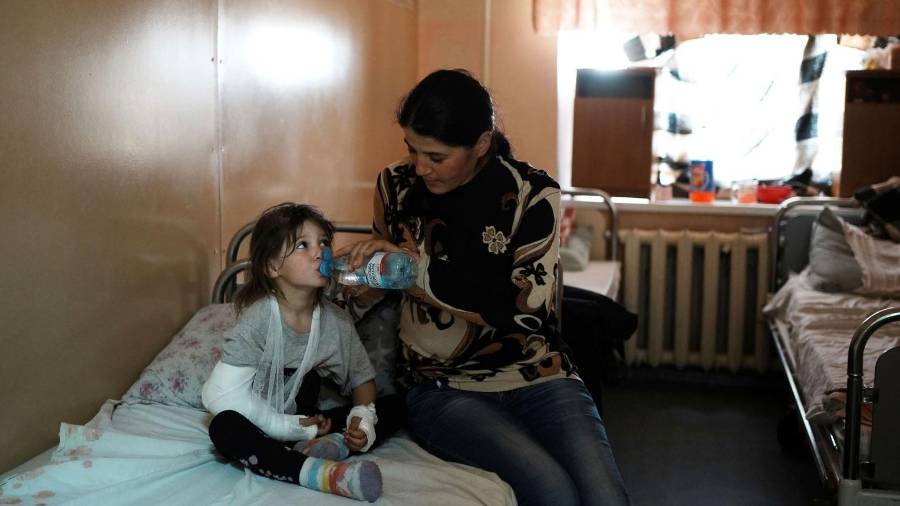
[{"x": 773, "y": 194}]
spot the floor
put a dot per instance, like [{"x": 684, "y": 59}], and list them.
[{"x": 691, "y": 438}]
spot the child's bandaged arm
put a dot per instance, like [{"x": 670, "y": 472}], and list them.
[{"x": 229, "y": 387}]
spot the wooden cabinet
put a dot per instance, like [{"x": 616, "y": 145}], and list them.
[
  {"x": 871, "y": 150},
  {"x": 613, "y": 131}
]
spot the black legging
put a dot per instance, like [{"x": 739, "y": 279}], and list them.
[{"x": 239, "y": 440}]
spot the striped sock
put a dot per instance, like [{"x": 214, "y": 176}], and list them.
[
  {"x": 330, "y": 446},
  {"x": 359, "y": 480}
]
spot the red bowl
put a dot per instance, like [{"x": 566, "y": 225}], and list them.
[{"x": 773, "y": 194}]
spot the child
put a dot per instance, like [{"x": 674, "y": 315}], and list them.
[{"x": 286, "y": 332}]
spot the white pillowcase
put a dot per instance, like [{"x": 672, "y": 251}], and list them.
[{"x": 878, "y": 259}]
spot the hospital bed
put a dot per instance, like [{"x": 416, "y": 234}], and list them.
[
  {"x": 596, "y": 210},
  {"x": 841, "y": 356},
  {"x": 152, "y": 446}
]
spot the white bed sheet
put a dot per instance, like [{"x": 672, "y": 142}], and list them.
[
  {"x": 154, "y": 454},
  {"x": 602, "y": 277},
  {"x": 819, "y": 327}
]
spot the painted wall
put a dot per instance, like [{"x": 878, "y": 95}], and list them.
[
  {"x": 312, "y": 119},
  {"x": 137, "y": 136},
  {"x": 523, "y": 78},
  {"x": 494, "y": 39},
  {"x": 140, "y": 135}
]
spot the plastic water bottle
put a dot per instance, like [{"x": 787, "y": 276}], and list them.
[{"x": 395, "y": 271}]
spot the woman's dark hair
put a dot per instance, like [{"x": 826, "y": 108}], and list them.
[
  {"x": 276, "y": 228},
  {"x": 454, "y": 108}
]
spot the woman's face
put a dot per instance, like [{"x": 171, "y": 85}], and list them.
[{"x": 444, "y": 168}]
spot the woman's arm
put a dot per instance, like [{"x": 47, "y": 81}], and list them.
[{"x": 230, "y": 388}]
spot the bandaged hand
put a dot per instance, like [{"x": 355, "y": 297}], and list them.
[
  {"x": 360, "y": 433},
  {"x": 321, "y": 423}
]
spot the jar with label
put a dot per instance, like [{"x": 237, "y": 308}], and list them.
[{"x": 702, "y": 186}]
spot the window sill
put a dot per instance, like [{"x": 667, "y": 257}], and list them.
[{"x": 685, "y": 206}]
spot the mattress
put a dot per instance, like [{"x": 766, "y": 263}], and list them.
[
  {"x": 157, "y": 454},
  {"x": 818, "y": 328},
  {"x": 602, "y": 277}
]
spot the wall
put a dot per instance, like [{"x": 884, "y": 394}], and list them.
[
  {"x": 518, "y": 66},
  {"x": 141, "y": 135},
  {"x": 137, "y": 137},
  {"x": 313, "y": 123},
  {"x": 523, "y": 79}
]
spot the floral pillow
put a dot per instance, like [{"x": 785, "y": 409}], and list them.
[{"x": 177, "y": 374}]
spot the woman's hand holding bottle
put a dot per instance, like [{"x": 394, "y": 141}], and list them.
[{"x": 374, "y": 263}]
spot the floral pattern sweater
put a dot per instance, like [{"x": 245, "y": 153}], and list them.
[{"x": 485, "y": 316}]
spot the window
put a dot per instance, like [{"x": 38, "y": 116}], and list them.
[{"x": 759, "y": 106}]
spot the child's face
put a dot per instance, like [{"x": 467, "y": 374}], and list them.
[{"x": 300, "y": 268}]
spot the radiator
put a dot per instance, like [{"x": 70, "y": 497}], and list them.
[{"x": 698, "y": 297}]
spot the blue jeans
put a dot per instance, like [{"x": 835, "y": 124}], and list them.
[{"x": 547, "y": 440}]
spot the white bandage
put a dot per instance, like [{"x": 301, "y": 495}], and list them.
[
  {"x": 367, "y": 420},
  {"x": 229, "y": 388},
  {"x": 309, "y": 431}
]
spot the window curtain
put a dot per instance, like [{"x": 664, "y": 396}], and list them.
[
  {"x": 692, "y": 18},
  {"x": 753, "y": 105}
]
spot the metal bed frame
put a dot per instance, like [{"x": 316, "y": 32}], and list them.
[
  {"x": 600, "y": 198},
  {"x": 226, "y": 283},
  {"x": 840, "y": 468}
]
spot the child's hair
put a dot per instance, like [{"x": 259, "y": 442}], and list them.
[{"x": 276, "y": 228}]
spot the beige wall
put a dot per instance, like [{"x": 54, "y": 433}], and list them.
[
  {"x": 138, "y": 136},
  {"x": 319, "y": 136},
  {"x": 523, "y": 78},
  {"x": 128, "y": 155},
  {"x": 518, "y": 65},
  {"x": 451, "y": 35},
  {"x": 108, "y": 200}
]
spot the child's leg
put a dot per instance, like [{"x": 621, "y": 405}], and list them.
[
  {"x": 330, "y": 446},
  {"x": 308, "y": 397},
  {"x": 239, "y": 440}
]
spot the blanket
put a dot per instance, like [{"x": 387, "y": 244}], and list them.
[{"x": 156, "y": 454}]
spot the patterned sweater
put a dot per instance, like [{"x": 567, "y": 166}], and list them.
[{"x": 486, "y": 319}]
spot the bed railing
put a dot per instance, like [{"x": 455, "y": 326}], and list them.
[
  {"x": 226, "y": 283},
  {"x": 777, "y": 240},
  {"x": 850, "y": 485},
  {"x": 234, "y": 245},
  {"x": 575, "y": 194}
]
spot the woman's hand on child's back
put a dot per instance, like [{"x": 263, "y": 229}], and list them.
[
  {"x": 356, "y": 439},
  {"x": 322, "y": 423}
]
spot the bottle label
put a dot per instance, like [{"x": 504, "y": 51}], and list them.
[
  {"x": 375, "y": 269},
  {"x": 702, "y": 176}
]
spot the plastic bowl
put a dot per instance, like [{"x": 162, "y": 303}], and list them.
[{"x": 773, "y": 194}]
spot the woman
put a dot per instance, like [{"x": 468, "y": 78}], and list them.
[{"x": 489, "y": 386}]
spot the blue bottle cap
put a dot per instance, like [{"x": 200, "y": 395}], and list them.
[{"x": 326, "y": 267}]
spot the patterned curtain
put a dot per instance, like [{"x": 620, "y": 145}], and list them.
[
  {"x": 807, "y": 127},
  {"x": 691, "y": 18},
  {"x": 754, "y": 105}
]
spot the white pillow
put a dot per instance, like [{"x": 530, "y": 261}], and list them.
[{"x": 878, "y": 259}]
